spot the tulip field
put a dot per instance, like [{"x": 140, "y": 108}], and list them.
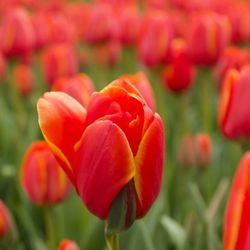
[{"x": 124, "y": 125}]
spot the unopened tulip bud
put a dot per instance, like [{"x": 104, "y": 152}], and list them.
[{"x": 42, "y": 179}]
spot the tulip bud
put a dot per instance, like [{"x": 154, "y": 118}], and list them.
[
  {"x": 90, "y": 143},
  {"x": 195, "y": 150},
  {"x": 80, "y": 87},
  {"x": 24, "y": 79},
  {"x": 5, "y": 220},
  {"x": 237, "y": 220},
  {"x": 17, "y": 36},
  {"x": 154, "y": 39},
  {"x": 141, "y": 82},
  {"x": 179, "y": 74},
  {"x": 234, "y": 112},
  {"x": 207, "y": 37},
  {"x": 41, "y": 176},
  {"x": 68, "y": 245},
  {"x": 58, "y": 61}
]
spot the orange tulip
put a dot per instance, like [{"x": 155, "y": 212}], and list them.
[
  {"x": 24, "y": 79},
  {"x": 112, "y": 150},
  {"x": 141, "y": 82},
  {"x": 179, "y": 74},
  {"x": 237, "y": 216},
  {"x": 68, "y": 245},
  {"x": 42, "y": 178},
  {"x": 58, "y": 61},
  {"x": 234, "y": 112},
  {"x": 17, "y": 35},
  {"x": 207, "y": 37},
  {"x": 2, "y": 66},
  {"x": 80, "y": 87},
  {"x": 5, "y": 220}
]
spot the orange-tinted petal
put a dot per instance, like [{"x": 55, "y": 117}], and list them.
[
  {"x": 236, "y": 224},
  {"x": 61, "y": 119},
  {"x": 149, "y": 166},
  {"x": 105, "y": 164}
]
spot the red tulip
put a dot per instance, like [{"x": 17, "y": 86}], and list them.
[
  {"x": 207, "y": 37},
  {"x": 195, "y": 150},
  {"x": 154, "y": 39},
  {"x": 179, "y": 74},
  {"x": 233, "y": 58},
  {"x": 237, "y": 216},
  {"x": 234, "y": 112},
  {"x": 114, "y": 148},
  {"x": 42, "y": 178},
  {"x": 24, "y": 79},
  {"x": 80, "y": 87},
  {"x": 141, "y": 82},
  {"x": 2, "y": 66},
  {"x": 58, "y": 61},
  {"x": 101, "y": 24},
  {"x": 17, "y": 35},
  {"x": 68, "y": 245},
  {"x": 5, "y": 220}
]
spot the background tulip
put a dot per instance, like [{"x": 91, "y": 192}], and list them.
[
  {"x": 236, "y": 221},
  {"x": 42, "y": 178},
  {"x": 5, "y": 220},
  {"x": 234, "y": 112},
  {"x": 68, "y": 245}
]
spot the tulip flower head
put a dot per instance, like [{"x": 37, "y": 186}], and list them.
[
  {"x": 234, "y": 111},
  {"x": 179, "y": 74},
  {"x": 208, "y": 34},
  {"x": 68, "y": 245},
  {"x": 237, "y": 216},
  {"x": 42, "y": 179},
  {"x": 112, "y": 151},
  {"x": 80, "y": 87},
  {"x": 5, "y": 220}
]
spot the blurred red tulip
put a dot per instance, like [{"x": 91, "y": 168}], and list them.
[
  {"x": 24, "y": 79},
  {"x": 154, "y": 39},
  {"x": 90, "y": 145},
  {"x": 80, "y": 87},
  {"x": 17, "y": 34},
  {"x": 179, "y": 74},
  {"x": 234, "y": 112},
  {"x": 5, "y": 220},
  {"x": 233, "y": 58},
  {"x": 129, "y": 20},
  {"x": 42, "y": 178},
  {"x": 237, "y": 216},
  {"x": 58, "y": 60},
  {"x": 68, "y": 245},
  {"x": 203, "y": 149},
  {"x": 195, "y": 150},
  {"x": 208, "y": 34},
  {"x": 141, "y": 82},
  {"x": 41, "y": 27},
  {"x": 101, "y": 24}
]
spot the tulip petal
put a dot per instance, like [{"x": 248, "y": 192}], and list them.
[
  {"x": 237, "y": 216},
  {"x": 61, "y": 119},
  {"x": 149, "y": 166},
  {"x": 105, "y": 164}
]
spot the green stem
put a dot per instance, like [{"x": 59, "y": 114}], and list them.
[
  {"x": 112, "y": 242},
  {"x": 183, "y": 105},
  {"x": 50, "y": 230}
]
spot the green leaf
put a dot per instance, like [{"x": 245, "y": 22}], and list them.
[{"x": 175, "y": 231}]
